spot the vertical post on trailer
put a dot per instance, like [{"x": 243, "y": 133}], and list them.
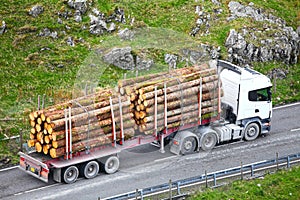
[
  {"x": 200, "y": 103},
  {"x": 155, "y": 110},
  {"x": 162, "y": 150},
  {"x": 70, "y": 132},
  {"x": 43, "y": 101},
  {"x": 113, "y": 122},
  {"x": 219, "y": 96},
  {"x": 39, "y": 103},
  {"x": 121, "y": 119},
  {"x": 66, "y": 132}
]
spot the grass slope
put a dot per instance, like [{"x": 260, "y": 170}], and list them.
[
  {"x": 32, "y": 65},
  {"x": 281, "y": 185}
]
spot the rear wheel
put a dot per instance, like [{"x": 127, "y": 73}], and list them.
[
  {"x": 90, "y": 169},
  {"x": 252, "y": 131},
  {"x": 208, "y": 141},
  {"x": 111, "y": 164},
  {"x": 70, "y": 174},
  {"x": 189, "y": 145}
]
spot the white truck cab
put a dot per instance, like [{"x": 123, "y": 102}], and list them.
[{"x": 246, "y": 110}]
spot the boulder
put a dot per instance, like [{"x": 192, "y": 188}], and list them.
[
  {"x": 2, "y": 27},
  {"x": 36, "y": 10},
  {"x": 120, "y": 57}
]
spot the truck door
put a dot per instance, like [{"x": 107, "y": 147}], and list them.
[{"x": 261, "y": 99}]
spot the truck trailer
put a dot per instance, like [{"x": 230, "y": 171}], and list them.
[{"x": 242, "y": 110}]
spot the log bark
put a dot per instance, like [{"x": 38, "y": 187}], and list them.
[
  {"x": 192, "y": 116},
  {"x": 80, "y": 146},
  {"x": 83, "y": 129},
  {"x": 178, "y": 111},
  {"x": 206, "y": 87},
  {"x": 95, "y": 133},
  {"x": 185, "y": 93}
]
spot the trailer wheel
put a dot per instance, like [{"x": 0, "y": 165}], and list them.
[
  {"x": 252, "y": 131},
  {"x": 90, "y": 169},
  {"x": 208, "y": 141},
  {"x": 111, "y": 165},
  {"x": 188, "y": 145},
  {"x": 70, "y": 174}
]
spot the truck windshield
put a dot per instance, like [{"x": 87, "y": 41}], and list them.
[{"x": 260, "y": 95}]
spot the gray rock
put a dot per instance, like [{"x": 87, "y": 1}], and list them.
[
  {"x": 216, "y": 2},
  {"x": 126, "y": 34},
  {"x": 171, "y": 60},
  {"x": 70, "y": 41},
  {"x": 277, "y": 73},
  {"x": 47, "y": 33},
  {"x": 80, "y": 5},
  {"x": 59, "y": 21},
  {"x": 2, "y": 28},
  {"x": 120, "y": 57},
  {"x": 77, "y": 16},
  {"x": 112, "y": 27},
  {"x": 143, "y": 63},
  {"x": 36, "y": 10},
  {"x": 232, "y": 38}
]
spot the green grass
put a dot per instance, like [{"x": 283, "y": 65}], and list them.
[
  {"x": 26, "y": 71},
  {"x": 281, "y": 185}
]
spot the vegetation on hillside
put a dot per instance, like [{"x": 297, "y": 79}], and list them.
[
  {"x": 281, "y": 185},
  {"x": 32, "y": 65}
]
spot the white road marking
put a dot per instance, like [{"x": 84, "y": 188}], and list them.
[
  {"x": 9, "y": 168},
  {"x": 296, "y": 129},
  {"x": 163, "y": 159},
  {"x": 286, "y": 106},
  {"x": 40, "y": 188}
]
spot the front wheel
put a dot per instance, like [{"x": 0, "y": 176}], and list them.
[{"x": 252, "y": 131}]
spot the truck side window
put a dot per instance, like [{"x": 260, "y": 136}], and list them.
[{"x": 260, "y": 95}]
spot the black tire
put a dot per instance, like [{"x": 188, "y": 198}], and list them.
[
  {"x": 70, "y": 174},
  {"x": 111, "y": 165},
  {"x": 189, "y": 145},
  {"x": 90, "y": 169},
  {"x": 208, "y": 141},
  {"x": 252, "y": 131}
]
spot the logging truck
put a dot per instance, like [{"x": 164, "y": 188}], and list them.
[{"x": 193, "y": 109}]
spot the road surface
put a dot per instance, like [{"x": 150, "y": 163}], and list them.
[{"x": 145, "y": 166}]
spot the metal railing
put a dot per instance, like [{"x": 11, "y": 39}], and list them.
[{"x": 249, "y": 171}]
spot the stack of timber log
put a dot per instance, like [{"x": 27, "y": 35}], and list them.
[
  {"x": 176, "y": 93},
  {"x": 91, "y": 123},
  {"x": 141, "y": 105}
]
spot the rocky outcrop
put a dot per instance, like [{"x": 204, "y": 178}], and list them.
[
  {"x": 125, "y": 59},
  {"x": 2, "y": 27},
  {"x": 46, "y": 32},
  {"x": 120, "y": 57},
  {"x": 36, "y": 10},
  {"x": 273, "y": 42}
]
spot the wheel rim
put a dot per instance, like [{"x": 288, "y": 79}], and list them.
[
  {"x": 189, "y": 145},
  {"x": 91, "y": 169},
  {"x": 71, "y": 174},
  {"x": 208, "y": 141},
  {"x": 111, "y": 165},
  {"x": 252, "y": 131}
]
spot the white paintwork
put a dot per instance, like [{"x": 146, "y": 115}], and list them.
[{"x": 247, "y": 80}]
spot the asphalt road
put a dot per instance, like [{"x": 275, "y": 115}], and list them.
[{"x": 145, "y": 166}]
